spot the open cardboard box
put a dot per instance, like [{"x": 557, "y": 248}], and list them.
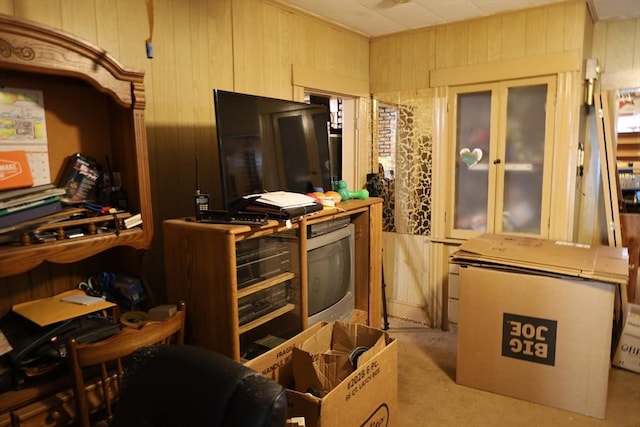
[
  {"x": 314, "y": 361},
  {"x": 536, "y": 319}
]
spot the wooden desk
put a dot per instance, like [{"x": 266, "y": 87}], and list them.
[{"x": 201, "y": 269}]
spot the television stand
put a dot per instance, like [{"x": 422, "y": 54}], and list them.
[{"x": 246, "y": 286}]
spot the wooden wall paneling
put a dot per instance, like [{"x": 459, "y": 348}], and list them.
[
  {"x": 494, "y": 39},
  {"x": 478, "y": 43},
  {"x": 335, "y": 52},
  {"x": 303, "y": 77},
  {"x": 44, "y": 11},
  {"x": 413, "y": 56},
  {"x": 566, "y": 137},
  {"x": 357, "y": 57},
  {"x": 575, "y": 13},
  {"x": 6, "y": 7},
  {"x": 132, "y": 29},
  {"x": 440, "y": 47},
  {"x": 402, "y": 61},
  {"x": 456, "y": 41},
  {"x": 166, "y": 153},
  {"x": 277, "y": 62},
  {"x": 507, "y": 69},
  {"x": 204, "y": 55},
  {"x": 536, "y": 24},
  {"x": 213, "y": 70},
  {"x": 79, "y": 17},
  {"x": 300, "y": 53},
  {"x": 440, "y": 162},
  {"x": 187, "y": 64},
  {"x": 555, "y": 29},
  {"x": 424, "y": 50},
  {"x": 248, "y": 33},
  {"x": 219, "y": 32},
  {"x": 410, "y": 62},
  {"x": 107, "y": 25},
  {"x": 385, "y": 70},
  {"x": 513, "y": 39},
  {"x": 378, "y": 65}
]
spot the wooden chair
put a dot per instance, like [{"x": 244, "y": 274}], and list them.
[{"x": 101, "y": 362}]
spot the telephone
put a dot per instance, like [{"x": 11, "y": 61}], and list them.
[{"x": 201, "y": 200}]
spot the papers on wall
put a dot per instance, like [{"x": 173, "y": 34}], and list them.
[{"x": 23, "y": 127}]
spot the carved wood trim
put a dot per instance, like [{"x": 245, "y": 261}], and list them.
[{"x": 32, "y": 47}]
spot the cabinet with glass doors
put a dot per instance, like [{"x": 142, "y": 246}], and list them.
[{"x": 501, "y": 135}]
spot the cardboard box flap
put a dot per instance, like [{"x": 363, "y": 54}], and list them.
[
  {"x": 280, "y": 368},
  {"x": 319, "y": 373},
  {"x": 567, "y": 258},
  {"x": 332, "y": 354}
]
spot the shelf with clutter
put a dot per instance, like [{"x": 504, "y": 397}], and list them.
[
  {"x": 64, "y": 97},
  {"x": 65, "y": 102}
]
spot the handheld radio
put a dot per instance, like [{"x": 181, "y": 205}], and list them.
[{"x": 201, "y": 200}]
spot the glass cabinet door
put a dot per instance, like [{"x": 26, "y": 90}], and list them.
[
  {"x": 502, "y": 135},
  {"x": 473, "y": 137}
]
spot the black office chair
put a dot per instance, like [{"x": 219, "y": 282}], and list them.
[{"x": 190, "y": 386}]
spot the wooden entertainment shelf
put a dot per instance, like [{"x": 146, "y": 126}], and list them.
[{"x": 201, "y": 263}]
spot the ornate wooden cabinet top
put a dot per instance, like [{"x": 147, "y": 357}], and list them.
[{"x": 27, "y": 46}]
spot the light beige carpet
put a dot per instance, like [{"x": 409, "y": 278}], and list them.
[{"x": 429, "y": 396}]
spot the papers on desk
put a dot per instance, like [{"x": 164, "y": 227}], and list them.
[
  {"x": 46, "y": 311},
  {"x": 282, "y": 204},
  {"x": 283, "y": 199}
]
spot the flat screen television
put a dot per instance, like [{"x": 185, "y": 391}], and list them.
[
  {"x": 331, "y": 274},
  {"x": 269, "y": 144}
]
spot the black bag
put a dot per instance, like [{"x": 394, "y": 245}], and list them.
[{"x": 39, "y": 350}]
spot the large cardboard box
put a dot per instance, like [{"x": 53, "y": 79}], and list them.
[
  {"x": 536, "y": 318},
  {"x": 366, "y": 397},
  {"x": 627, "y": 354}
]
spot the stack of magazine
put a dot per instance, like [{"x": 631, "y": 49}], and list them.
[
  {"x": 26, "y": 204},
  {"x": 282, "y": 204}
]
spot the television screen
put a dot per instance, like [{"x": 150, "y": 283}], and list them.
[
  {"x": 269, "y": 144},
  {"x": 331, "y": 275}
]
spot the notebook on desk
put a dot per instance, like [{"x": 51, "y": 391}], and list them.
[
  {"x": 54, "y": 309},
  {"x": 281, "y": 204}
]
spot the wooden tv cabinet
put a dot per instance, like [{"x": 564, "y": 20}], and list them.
[{"x": 201, "y": 265}]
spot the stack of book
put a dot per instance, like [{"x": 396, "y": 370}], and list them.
[
  {"x": 25, "y": 204},
  {"x": 282, "y": 204}
]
